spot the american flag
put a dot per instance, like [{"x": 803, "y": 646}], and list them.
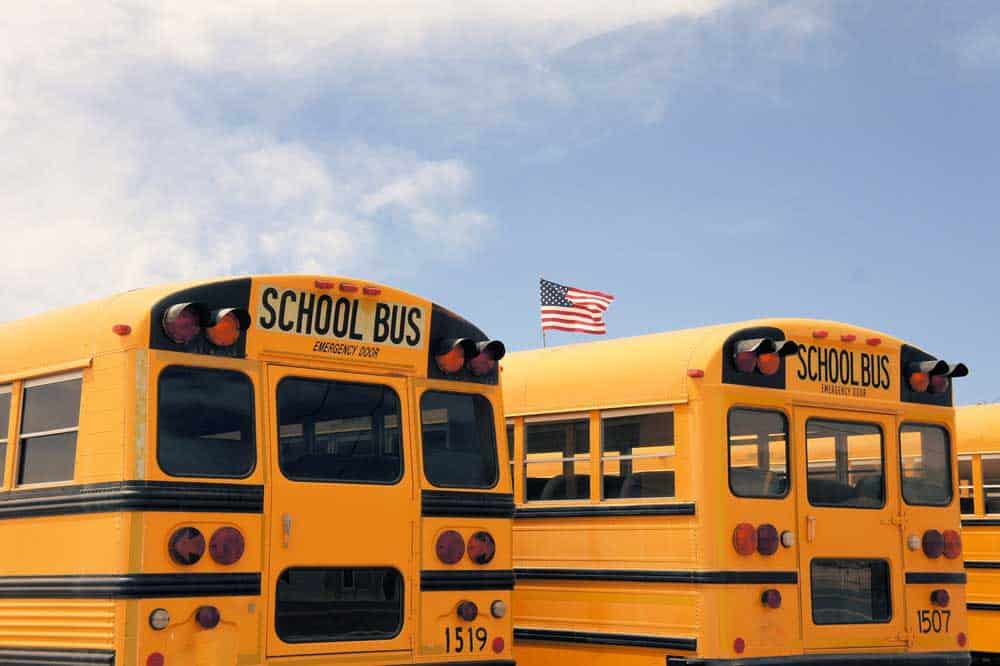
[{"x": 571, "y": 309}]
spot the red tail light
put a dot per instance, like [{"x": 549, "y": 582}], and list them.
[
  {"x": 482, "y": 547},
  {"x": 952, "y": 544},
  {"x": 187, "y": 545},
  {"x": 155, "y": 659},
  {"x": 226, "y": 545},
  {"x": 767, "y": 539},
  {"x": 468, "y": 611},
  {"x": 933, "y": 544},
  {"x": 208, "y": 617},
  {"x": 182, "y": 322},
  {"x": 450, "y": 547},
  {"x": 745, "y": 539}
]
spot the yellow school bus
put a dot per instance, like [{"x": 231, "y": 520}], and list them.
[
  {"x": 273, "y": 469},
  {"x": 777, "y": 491},
  {"x": 978, "y": 435}
]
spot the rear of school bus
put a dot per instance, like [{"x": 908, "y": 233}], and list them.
[
  {"x": 817, "y": 460},
  {"x": 277, "y": 469},
  {"x": 978, "y": 429}
]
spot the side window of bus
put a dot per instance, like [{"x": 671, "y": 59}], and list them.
[
  {"x": 319, "y": 605},
  {"x": 205, "y": 423},
  {"x": 758, "y": 453},
  {"x": 966, "y": 491},
  {"x": 339, "y": 431},
  {"x": 557, "y": 460},
  {"x": 844, "y": 463},
  {"x": 49, "y": 424},
  {"x": 5, "y": 392},
  {"x": 991, "y": 483},
  {"x": 510, "y": 448},
  {"x": 458, "y": 440},
  {"x": 925, "y": 460},
  {"x": 637, "y": 455}
]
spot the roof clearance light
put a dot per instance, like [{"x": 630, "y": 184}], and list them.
[
  {"x": 227, "y": 325},
  {"x": 182, "y": 322},
  {"x": 452, "y": 354},
  {"x": 489, "y": 352},
  {"x": 745, "y": 539}
]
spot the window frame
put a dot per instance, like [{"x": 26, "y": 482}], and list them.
[
  {"x": 885, "y": 488},
  {"x": 984, "y": 487},
  {"x": 353, "y": 482},
  {"x": 569, "y": 417},
  {"x": 493, "y": 428},
  {"x": 5, "y": 439},
  {"x": 959, "y": 459},
  {"x": 253, "y": 420},
  {"x": 948, "y": 455},
  {"x": 729, "y": 449},
  {"x": 21, "y": 436},
  {"x": 605, "y": 415}
]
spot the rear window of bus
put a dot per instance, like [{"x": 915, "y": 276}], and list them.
[
  {"x": 205, "y": 423},
  {"x": 844, "y": 464},
  {"x": 758, "y": 453},
  {"x": 459, "y": 440},
  {"x": 925, "y": 460}
]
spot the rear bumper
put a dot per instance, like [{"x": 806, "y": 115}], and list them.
[{"x": 911, "y": 659}]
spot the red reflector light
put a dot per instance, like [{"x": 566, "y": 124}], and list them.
[
  {"x": 771, "y": 598},
  {"x": 498, "y": 644},
  {"x": 182, "y": 322},
  {"x": 739, "y": 645},
  {"x": 952, "y": 544},
  {"x": 746, "y": 361},
  {"x": 468, "y": 611},
  {"x": 482, "y": 547},
  {"x": 919, "y": 381},
  {"x": 349, "y": 288},
  {"x": 324, "y": 284},
  {"x": 962, "y": 639},
  {"x": 208, "y": 617},
  {"x": 745, "y": 539},
  {"x": 940, "y": 598},
  {"x": 226, "y": 545},
  {"x": 767, "y": 539},
  {"x": 696, "y": 373},
  {"x": 155, "y": 659},
  {"x": 371, "y": 291},
  {"x": 933, "y": 544},
  {"x": 450, "y": 547},
  {"x": 121, "y": 329},
  {"x": 939, "y": 384},
  {"x": 187, "y": 545},
  {"x": 768, "y": 364}
]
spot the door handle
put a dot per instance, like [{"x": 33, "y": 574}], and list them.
[
  {"x": 810, "y": 528},
  {"x": 286, "y": 529}
]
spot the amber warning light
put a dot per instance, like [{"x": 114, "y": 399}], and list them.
[{"x": 762, "y": 355}]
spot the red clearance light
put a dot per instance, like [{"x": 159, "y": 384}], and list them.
[
  {"x": 349, "y": 288},
  {"x": 498, "y": 644},
  {"x": 182, "y": 322},
  {"x": 121, "y": 329},
  {"x": 767, "y": 539},
  {"x": 452, "y": 354},
  {"x": 187, "y": 545},
  {"x": 208, "y": 617},
  {"x": 324, "y": 284},
  {"x": 848, "y": 337},
  {"x": 226, "y": 545},
  {"x": 933, "y": 544},
  {"x": 952, "y": 544},
  {"x": 696, "y": 373},
  {"x": 940, "y": 598},
  {"x": 482, "y": 547},
  {"x": 873, "y": 341},
  {"x": 820, "y": 334},
  {"x": 487, "y": 355},
  {"x": 450, "y": 547},
  {"x": 468, "y": 611},
  {"x": 371, "y": 291},
  {"x": 155, "y": 659},
  {"x": 745, "y": 539},
  {"x": 771, "y": 598},
  {"x": 227, "y": 326}
]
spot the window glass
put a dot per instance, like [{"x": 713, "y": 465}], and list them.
[
  {"x": 459, "y": 440},
  {"x": 758, "y": 453},
  {"x": 557, "y": 460},
  {"x": 844, "y": 464},
  {"x": 965, "y": 488},
  {"x": 638, "y": 455},
  {"x": 510, "y": 447},
  {"x": 4, "y": 426},
  {"x": 339, "y": 431},
  {"x": 51, "y": 414},
  {"x": 205, "y": 423},
  {"x": 850, "y": 592},
  {"x": 320, "y": 605},
  {"x": 925, "y": 456},
  {"x": 991, "y": 483}
]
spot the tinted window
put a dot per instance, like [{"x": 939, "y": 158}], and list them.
[
  {"x": 459, "y": 440},
  {"x": 510, "y": 447},
  {"x": 4, "y": 427},
  {"x": 966, "y": 492},
  {"x": 339, "y": 431},
  {"x": 638, "y": 453},
  {"x": 557, "y": 460},
  {"x": 850, "y": 592},
  {"x": 319, "y": 605},
  {"x": 758, "y": 453},
  {"x": 51, "y": 414},
  {"x": 991, "y": 483},
  {"x": 925, "y": 457},
  {"x": 844, "y": 464},
  {"x": 205, "y": 423}
]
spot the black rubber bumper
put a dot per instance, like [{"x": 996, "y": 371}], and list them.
[{"x": 911, "y": 659}]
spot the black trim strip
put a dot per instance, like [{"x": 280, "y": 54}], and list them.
[
  {"x": 29, "y": 656},
  {"x": 862, "y": 659},
  {"x": 456, "y": 504},
  {"x": 596, "y": 638},
  {"x": 434, "y": 581},
  {"x": 979, "y": 564},
  {"x": 132, "y": 496},
  {"x": 979, "y": 605},
  {"x": 685, "y": 509},
  {"x": 918, "y": 577},
  {"x": 642, "y": 576},
  {"x": 985, "y": 522},
  {"x": 130, "y": 586}
]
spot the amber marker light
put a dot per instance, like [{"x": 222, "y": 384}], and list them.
[
  {"x": 452, "y": 354},
  {"x": 919, "y": 381},
  {"x": 768, "y": 364},
  {"x": 228, "y": 325}
]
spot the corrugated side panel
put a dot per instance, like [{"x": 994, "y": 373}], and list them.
[{"x": 57, "y": 623}]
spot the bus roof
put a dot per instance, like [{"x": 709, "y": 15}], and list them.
[
  {"x": 651, "y": 369},
  {"x": 977, "y": 429}
]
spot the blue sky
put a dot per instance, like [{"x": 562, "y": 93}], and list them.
[{"x": 705, "y": 161}]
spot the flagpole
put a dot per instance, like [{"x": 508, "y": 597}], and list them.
[{"x": 544, "y": 340}]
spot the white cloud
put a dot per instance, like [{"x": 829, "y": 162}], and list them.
[{"x": 980, "y": 46}]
